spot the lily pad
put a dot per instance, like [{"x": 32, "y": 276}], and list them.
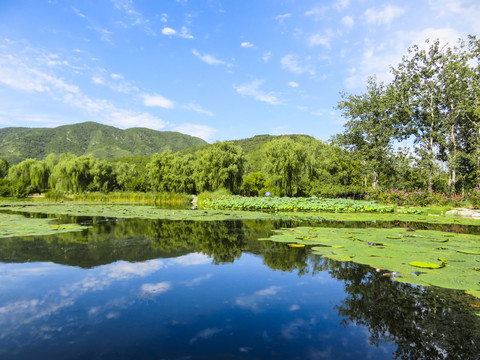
[
  {"x": 422, "y": 264},
  {"x": 398, "y": 252},
  {"x": 18, "y": 225},
  {"x": 469, "y": 252}
]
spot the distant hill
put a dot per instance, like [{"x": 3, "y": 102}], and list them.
[{"x": 89, "y": 138}]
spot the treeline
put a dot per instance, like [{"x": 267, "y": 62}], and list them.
[
  {"x": 300, "y": 167},
  {"x": 432, "y": 105}
]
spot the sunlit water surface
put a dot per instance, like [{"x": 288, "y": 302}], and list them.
[{"x": 144, "y": 289}]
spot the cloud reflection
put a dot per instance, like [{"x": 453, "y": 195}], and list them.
[
  {"x": 205, "y": 334},
  {"x": 156, "y": 289},
  {"x": 253, "y": 301},
  {"x": 192, "y": 259}
]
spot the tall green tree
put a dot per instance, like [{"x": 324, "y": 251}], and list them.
[
  {"x": 369, "y": 129},
  {"x": 220, "y": 166},
  {"x": 285, "y": 165},
  {"x": 29, "y": 175},
  {"x": 103, "y": 177},
  {"x": 72, "y": 174}
]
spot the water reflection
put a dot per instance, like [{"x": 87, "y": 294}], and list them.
[{"x": 155, "y": 289}]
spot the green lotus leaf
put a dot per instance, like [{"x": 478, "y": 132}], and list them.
[
  {"x": 425, "y": 265},
  {"x": 399, "y": 253},
  {"x": 469, "y": 252},
  {"x": 475, "y": 293}
]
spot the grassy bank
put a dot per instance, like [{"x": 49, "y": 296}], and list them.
[{"x": 122, "y": 197}]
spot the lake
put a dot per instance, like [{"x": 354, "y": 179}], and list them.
[{"x": 162, "y": 289}]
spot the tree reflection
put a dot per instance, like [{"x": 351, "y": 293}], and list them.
[{"x": 425, "y": 323}]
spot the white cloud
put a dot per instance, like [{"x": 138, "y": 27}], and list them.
[
  {"x": 316, "y": 12},
  {"x": 348, "y": 21},
  {"x": 98, "y": 80},
  {"x": 281, "y": 18},
  {"x": 292, "y": 63},
  {"x": 202, "y": 131},
  {"x": 117, "y": 76},
  {"x": 158, "y": 101},
  {"x": 76, "y": 11},
  {"x": 184, "y": 33},
  {"x": 104, "y": 33},
  {"x": 246, "y": 44},
  {"x": 134, "y": 16},
  {"x": 207, "y": 58},
  {"x": 119, "y": 84},
  {"x": 294, "y": 307},
  {"x": 168, "y": 31},
  {"x": 127, "y": 119},
  {"x": 252, "y": 89},
  {"x": 266, "y": 56},
  {"x": 293, "y": 84},
  {"x": 383, "y": 16},
  {"x": 199, "y": 109},
  {"x": 377, "y": 58},
  {"x": 321, "y": 39},
  {"x": 341, "y": 4}
]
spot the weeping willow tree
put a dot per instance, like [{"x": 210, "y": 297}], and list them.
[
  {"x": 31, "y": 174},
  {"x": 220, "y": 166},
  {"x": 285, "y": 163},
  {"x": 72, "y": 174}
]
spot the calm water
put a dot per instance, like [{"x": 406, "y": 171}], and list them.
[{"x": 143, "y": 289}]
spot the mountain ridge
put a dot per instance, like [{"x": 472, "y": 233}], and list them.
[{"x": 89, "y": 138}]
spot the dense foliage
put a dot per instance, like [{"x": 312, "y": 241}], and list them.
[
  {"x": 293, "y": 204},
  {"x": 433, "y": 105},
  {"x": 293, "y": 166}
]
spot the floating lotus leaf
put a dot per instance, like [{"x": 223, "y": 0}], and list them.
[
  {"x": 422, "y": 264},
  {"x": 470, "y": 252},
  {"x": 399, "y": 252},
  {"x": 18, "y": 225},
  {"x": 475, "y": 293},
  {"x": 151, "y": 212}
]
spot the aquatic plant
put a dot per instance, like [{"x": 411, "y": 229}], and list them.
[
  {"x": 422, "y": 257},
  {"x": 292, "y": 204},
  {"x": 18, "y": 225}
]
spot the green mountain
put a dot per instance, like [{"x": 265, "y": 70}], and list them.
[{"x": 89, "y": 138}]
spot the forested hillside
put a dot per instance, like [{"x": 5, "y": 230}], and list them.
[{"x": 89, "y": 138}]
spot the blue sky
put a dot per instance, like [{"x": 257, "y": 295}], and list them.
[{"x": 216, "y": 69}]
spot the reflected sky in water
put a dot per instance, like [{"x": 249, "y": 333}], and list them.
[{"x": 177, "y": 308}]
